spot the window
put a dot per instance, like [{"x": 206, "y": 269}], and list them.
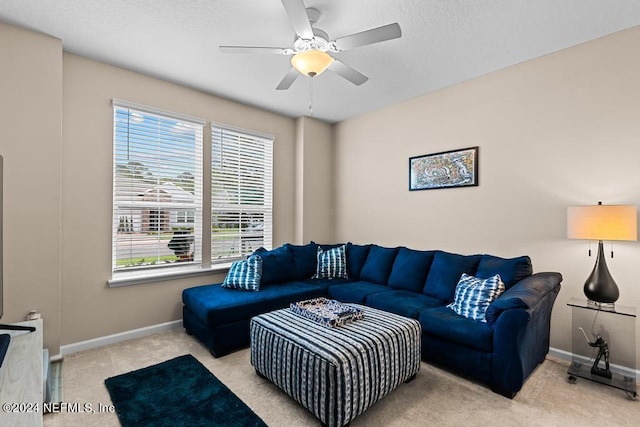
[
  {"x": 241, "y": 192},
  {"x": 157, "y": 188},
  {"x": 158, "y": 200},
  {"x": 185, "y": 217}
]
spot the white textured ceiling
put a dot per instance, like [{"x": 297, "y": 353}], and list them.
[{"x": 444, "y": 42}]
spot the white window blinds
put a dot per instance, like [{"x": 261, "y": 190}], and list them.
[
  {"x": 241, "y": 193},
  {"x": 157, "y": 188}
]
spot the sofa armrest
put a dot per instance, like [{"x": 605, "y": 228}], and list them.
[
  {"x": 524, "y": 294},
  {"x": 521, "y": 330}
]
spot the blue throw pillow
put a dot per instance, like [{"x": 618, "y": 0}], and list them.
[
  {"x": 277, "y": 265},
  {"x": 244, "y": 275},
  {"x": 511, "y": 270},
  {"x": 410, "y": 269},
  {"x": 378, "y": 265},
  {"x": 474, "y": 295},
  {"x": 304, "y": 260},
  {"x": 445, "y": 272},
  {"x": 331, "y": 263}
]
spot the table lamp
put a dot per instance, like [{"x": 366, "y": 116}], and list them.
[{"x": 602, "y": 222}]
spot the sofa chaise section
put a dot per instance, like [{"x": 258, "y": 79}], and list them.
[{"x": 219, "y": 317}]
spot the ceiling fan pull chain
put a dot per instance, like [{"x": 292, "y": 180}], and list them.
[
  {"x": 310, "y": 96},
  {"x": 612, "y": 249}
]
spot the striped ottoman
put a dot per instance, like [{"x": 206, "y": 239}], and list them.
[{"x": 336, "y": 373}]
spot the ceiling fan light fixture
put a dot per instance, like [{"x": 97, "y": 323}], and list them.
[{"x": 311, "y": 62}]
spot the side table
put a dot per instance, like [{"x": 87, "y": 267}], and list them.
[
  {"x": 21, "y": 378},
  {"x": 603, "y": 345}
]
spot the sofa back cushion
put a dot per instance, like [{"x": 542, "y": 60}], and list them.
[
  {"x": 277, "y": 265},
  {"x": 326, "y": 246},
  {"x": 304, "y": 260},
  {"x": 511, "y": 270},
  {"x": 377, "y": 267},
  {"x": 446, "y": 270},
  {"x": 356, "y": 256},
  {"x": 410, "y": 269}
]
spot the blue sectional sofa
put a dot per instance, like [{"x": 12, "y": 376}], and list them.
[{"x": 501, "y": 352}]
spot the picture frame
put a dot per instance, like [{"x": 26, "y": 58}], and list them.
[{"x": 446, "y": 169}]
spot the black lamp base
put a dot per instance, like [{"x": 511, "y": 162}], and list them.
[{"x": 600, "y": 287}]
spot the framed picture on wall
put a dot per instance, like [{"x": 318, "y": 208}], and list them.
[{"x": 448, "y": 169}]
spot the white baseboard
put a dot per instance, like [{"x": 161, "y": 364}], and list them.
[
  {"x": 68, "y": 349},
  {"x": 560, "y": 354},
  {"x": 568, "y": 356}
]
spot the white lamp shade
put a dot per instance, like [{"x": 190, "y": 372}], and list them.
[
  {"x": 311, "y": 62},
  {"x": 602, "y": 222}
]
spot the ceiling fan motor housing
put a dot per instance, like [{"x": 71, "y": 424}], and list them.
[{"x": 320, "y": 41}]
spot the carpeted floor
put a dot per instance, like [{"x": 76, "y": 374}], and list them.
[{"x": 435, "y": 398}]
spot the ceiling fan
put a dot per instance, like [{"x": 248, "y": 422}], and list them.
[{"x": 311, "y": 47}]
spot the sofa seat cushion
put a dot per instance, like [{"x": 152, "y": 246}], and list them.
[
  {"x": 410, "y": 269},
  {"x": 216, "y": 305},
  {"x": 355, "y": 292},
  {"x": 404, "y": 303},
  {"x": 442, "y": 322},
  {"x": 325, "y": 283}
]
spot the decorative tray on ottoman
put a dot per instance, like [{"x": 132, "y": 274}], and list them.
[{"x": 327, "y": 312}]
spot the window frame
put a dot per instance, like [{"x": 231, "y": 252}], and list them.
[
  {"x": 120, "y": 276},
  {"x": 207, "y": 265}
]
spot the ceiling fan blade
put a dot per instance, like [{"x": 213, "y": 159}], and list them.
[
  {"x": 288, "y": 79},
  {"x": 255, "y": 49},
  {"x": 374, "y": 35},
  {"x": 347, "y": 72},
  {"x": 298, "y": 17}
]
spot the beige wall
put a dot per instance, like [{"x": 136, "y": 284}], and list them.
[
  {"x": 314, "y": 181},
  {"x": 30, "y": 141},
  {"x": 56, "y": 139},
  {"x": 89, "y": 308},
  {"x": 558, "y": 131}
]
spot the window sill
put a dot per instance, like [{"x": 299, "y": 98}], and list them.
[{"x": 137, "y": 278}]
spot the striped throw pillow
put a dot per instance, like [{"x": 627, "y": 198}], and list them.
[
  {"x": 331, "y": 264},
  {"x": 245, "y": 275},
  {"x": 473, "y": 296}
]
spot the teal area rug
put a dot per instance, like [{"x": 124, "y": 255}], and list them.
[{"x": 178, "y": 392}]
